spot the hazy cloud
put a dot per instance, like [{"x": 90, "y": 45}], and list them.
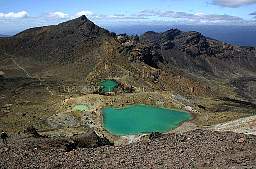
[
  {"x": 84, "y": 12},
  {"x": 233, "y": 3},
  {"x": 198, "y": 18},
  {"x": 11, "y": 15},
  {"x": 253, "y": 14},
  {"x": 121, "y": 17},
  {"x": 58, "y": 15},
  {"x": 16, "y": 21}
]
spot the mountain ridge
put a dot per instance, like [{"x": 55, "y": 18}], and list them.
[
  {"x": 236, "y": 35},
  {"x": 194, "y": 46},
  {"x": 66, "y": 42},
  {"x": 79, "y": 49}
]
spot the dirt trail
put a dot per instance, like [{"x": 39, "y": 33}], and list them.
[{"x": 26, "y": 72}]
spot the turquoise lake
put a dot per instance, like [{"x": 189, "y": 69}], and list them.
[
  {"x": 108, "y": 85},
  {"x": 139, "y": 119}
]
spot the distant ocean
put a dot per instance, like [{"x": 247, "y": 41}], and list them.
[
  {"x": 236, "y": 35},
  {"x": 3, "y": 35}
]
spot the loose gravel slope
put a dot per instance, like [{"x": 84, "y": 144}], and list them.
[{"x": 195, "y": 149}]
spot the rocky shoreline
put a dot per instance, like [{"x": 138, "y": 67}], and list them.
[
  {"x": 194, "y": 149},
  {"x": 95, "y": 116}
]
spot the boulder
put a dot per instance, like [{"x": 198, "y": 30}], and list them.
[
  {"x": 90, "y": 140},
  {"x": 86, "y": 140},
  {"x": 154, "y": 135},
  {"x": 33, "y": 131},
  {"x": 2, "y": 74}
]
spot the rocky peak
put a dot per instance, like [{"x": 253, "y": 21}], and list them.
[
  {"x": 150, "y": 37},
  {"x": 77, "y": 22},
  {"x": 194, "y": 37},
  {"x": 83, "y": 17},
  {"x": 171, "y": 34},
  {"x": 80, "y": 26},
  {"x": 150, "y": 33},
  {"x": 63, "y": 43}
]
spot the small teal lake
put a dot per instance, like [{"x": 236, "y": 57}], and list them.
[
  {"x": 82, "y": 107},
  {"x": 139, "y": 119},
  {"x": 108, "y": 85}
]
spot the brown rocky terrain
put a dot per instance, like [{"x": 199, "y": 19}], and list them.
[
  {"x": 41, "y": 67},
  {"x": 195, "y": 149},
  {"x": 46, "y": 71},
  {"x": 197, "y": 54}
]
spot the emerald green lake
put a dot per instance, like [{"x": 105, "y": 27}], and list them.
[
  {"x": 139, "y": 119},
  {"x": 108, "y": 85}
]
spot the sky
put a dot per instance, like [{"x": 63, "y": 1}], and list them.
[{"x": 17, "y": 15}]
